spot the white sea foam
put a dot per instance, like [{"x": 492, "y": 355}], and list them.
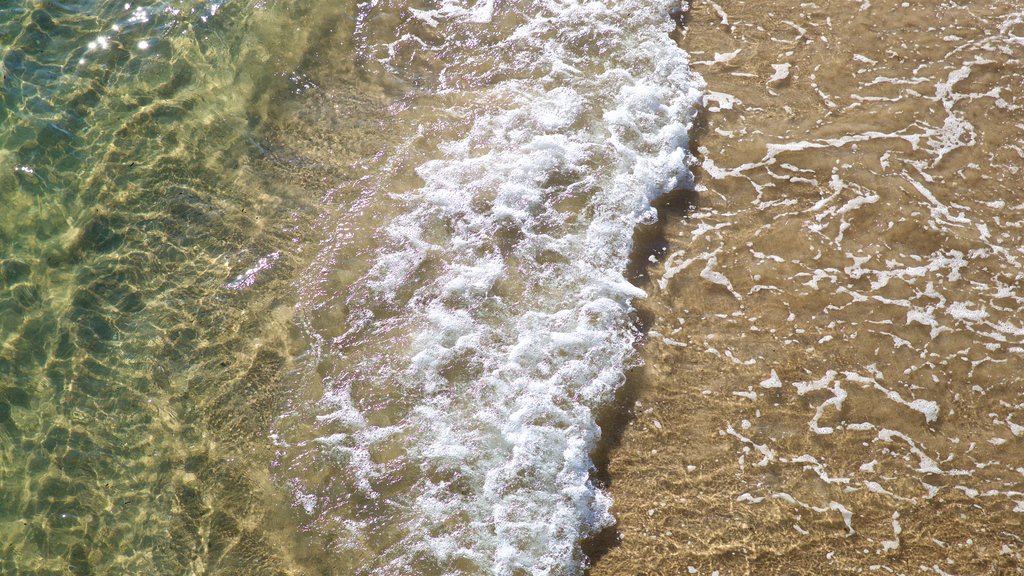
[{"x": 518, "y": 308}]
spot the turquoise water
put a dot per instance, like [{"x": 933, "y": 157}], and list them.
[{"x": 149, "y": 227}]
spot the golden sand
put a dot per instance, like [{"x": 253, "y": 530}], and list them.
[{"x": 833, "y": 369}]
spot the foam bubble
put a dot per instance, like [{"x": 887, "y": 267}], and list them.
[{"x": 517, "y": 307}]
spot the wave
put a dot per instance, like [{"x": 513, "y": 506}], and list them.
[{"x": 454, "y": 435}]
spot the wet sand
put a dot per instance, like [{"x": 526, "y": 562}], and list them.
[{"x": 832, "y": 380}]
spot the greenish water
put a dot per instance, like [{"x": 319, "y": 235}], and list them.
[
  {"x": 321, "y": 287},
  {"x": 150, "y": 227}
]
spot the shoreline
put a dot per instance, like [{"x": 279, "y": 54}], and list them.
[{"x": 811, "y": 400}]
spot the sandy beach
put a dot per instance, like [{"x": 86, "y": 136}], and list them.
[{"x": 832, "y": 380}]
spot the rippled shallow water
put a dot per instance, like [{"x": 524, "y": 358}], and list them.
[
  {"x": 148, "y": 238},
  {"x": 321, "y": 287}
]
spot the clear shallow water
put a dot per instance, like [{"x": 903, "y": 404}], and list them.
[
  {"x": 321, "y": 288},
  {"x": 141, "y": 342}
]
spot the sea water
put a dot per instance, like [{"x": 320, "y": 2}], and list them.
[
  {"x": 142, "y": 341},
  {"x": 325, "y": 288}
]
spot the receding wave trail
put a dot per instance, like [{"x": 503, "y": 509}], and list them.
[{"x": 461, "y": 380}]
